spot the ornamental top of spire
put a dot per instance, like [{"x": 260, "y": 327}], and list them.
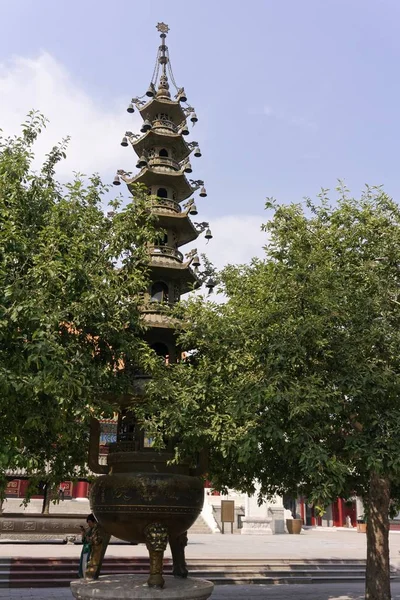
[
  {"x": 160, "y": 80},
  {"x": 163, "y": 81},
  {"x": 162, "y": 28}
]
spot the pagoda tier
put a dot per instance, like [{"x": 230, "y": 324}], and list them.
[
  {"x": 160, "y": 325},
  {"x": 182, "y": 277},
  {"x": 157, "y": 139},
  {"x": 171, "y": 220},
  {"x": 159, "y": 174},
  {"x": 163, "y": 109}
]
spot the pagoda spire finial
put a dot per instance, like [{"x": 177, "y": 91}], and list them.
[
  {"x": 163, "y": 86},
  {"x": 159, "y": 85},
  {"x": 162, "y": 28}
]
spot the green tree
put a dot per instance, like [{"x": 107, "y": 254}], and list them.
[
  {"x": 71, "y": 281},
  {"x": 295, "y": 380}
]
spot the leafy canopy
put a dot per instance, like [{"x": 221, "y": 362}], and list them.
[
  {"x": 71, "y": 279},
  {"x": 295, "y": 380}
]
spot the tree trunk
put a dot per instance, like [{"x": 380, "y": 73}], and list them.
[
  {"x": 377, "y": 579},
  {"x": 46, "y": 500}
]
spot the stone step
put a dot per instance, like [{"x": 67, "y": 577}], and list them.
[
  {"x": 194, "y": 561},
  {"x": 133, "y": 563},
  {"x": 58, "y": 572},
  {"x": 132, "y": 567},
  {"x": 27, "y": 571},
  {"x": 69, "y": 574},
  {"x": 45, "y": 582},
  {"x": 200, "y": 526}
]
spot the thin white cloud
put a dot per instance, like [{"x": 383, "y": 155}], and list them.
[
  {"x": 268, "y": 111},
  {"x": 45, "y": 85},
  {"x": 296, "y": 120},
  {"x": 236, "y": 239},
  {"x": 303, "y": 122}
]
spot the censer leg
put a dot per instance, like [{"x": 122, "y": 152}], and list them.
[
  {"x": 156, "y": 541},
  {"x": 99, "y": 546},
  {"x": 178, "y": 545}
]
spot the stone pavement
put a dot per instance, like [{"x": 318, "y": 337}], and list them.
[
  {"x": 228, "y": 592},
  {"x": 311, "y": 544}
]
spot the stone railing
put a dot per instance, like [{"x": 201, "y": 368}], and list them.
[
  {"x": 39, "y": 527},
  {"x": 163, "y": 161},
  {"x": 166, "y": 251},
  {"x": 155, "y": 307},
  {"x": 164, "y": 124},
  {"x": 166, "y": 204}
]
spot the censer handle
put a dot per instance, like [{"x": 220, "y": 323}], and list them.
[{"x": 94, "y": 443}]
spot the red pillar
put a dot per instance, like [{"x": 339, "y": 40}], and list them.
[
  {"x": 302, "y": 512},
  {"x": 340, "y": 511},
  {"x": 313, "y": 520},
  {"x": 80, "y": 491},
  {"x": 23, "y": 487}
]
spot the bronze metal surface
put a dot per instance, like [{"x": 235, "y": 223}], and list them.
[{"x": 126, "y": 503}]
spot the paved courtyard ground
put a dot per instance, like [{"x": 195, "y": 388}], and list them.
[{"x": 311, "y": 544}]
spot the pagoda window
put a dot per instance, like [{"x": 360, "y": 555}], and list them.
[
  {"x": 126, "y": 427},
  {"x": 160, "y": 349},
  {"x": 161, "y": 240},
  {"x": 162, "y": 193},
  {"x": 159, "y": 292},
  {"x": 163, "y": 152}
]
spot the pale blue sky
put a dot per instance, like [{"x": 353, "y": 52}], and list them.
[{"x": 290, "y": 94}]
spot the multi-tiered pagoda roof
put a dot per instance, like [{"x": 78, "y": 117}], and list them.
[{"x": 163, "y": 160}]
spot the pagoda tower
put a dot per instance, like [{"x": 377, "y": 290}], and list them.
[
  {"x": 142, "y": 497},
  {"x": 164, "y": 162}
]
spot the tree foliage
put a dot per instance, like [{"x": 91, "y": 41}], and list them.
[
  {"x": 71, "y": 279},
  {"x": 295, "y": 380}
]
